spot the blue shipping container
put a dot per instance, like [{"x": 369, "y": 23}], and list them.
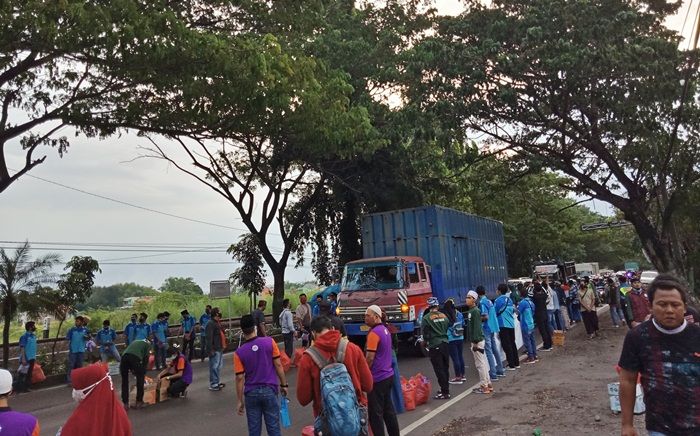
[{"x": 463, "y": 250}]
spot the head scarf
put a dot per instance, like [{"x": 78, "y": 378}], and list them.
[{"x": 100, "y": 413}]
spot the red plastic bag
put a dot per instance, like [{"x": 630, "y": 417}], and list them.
[
  {"x": 409, "y": 395},
  {"x": 151, "y": 362},
  {"x": 307, "y": 431},
  {"x": 38, "y": 375},
  {"x": 423, "y": 388},
  {"x": 298, "y": 353},
  {"x": 286, "y": 361}
]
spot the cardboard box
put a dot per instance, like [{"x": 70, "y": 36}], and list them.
[
  {"x": 150, "y": 394},
  {"x": 163, "y": 386},
  {"x": 558, "y": 337}
]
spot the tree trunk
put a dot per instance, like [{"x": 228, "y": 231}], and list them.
[
  {"x": 53, "y": 347},
  {"x": 7, "y": 317},
  {"x": 278, "y": 292}
]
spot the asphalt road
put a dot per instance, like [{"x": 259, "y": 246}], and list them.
[{"x": 214, "y": 412}]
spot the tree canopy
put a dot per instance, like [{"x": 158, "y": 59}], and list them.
[{"x": 181, "y": 285}]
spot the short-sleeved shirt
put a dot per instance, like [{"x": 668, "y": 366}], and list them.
[
  {"x": 187, "y": 324},
  {"x": 181, "y": 364},
  {"x": 142, "y": 331},
  {"x": 491, "y": 324},
  {"x": 451, "y": 335},
  {"x": 255, "y": 359},
  {"x": 159, "y": 329},
  {"x": 28, "y": 342},
  {"x": 140, "y": 349},
  {"x": 475, "y": 331},
  {"x": 203, "y": 320},
  {"x": 259, "y": 318},
  {"x": 106, "y": 338},
  {"x": 379, "y": 342},
  {"x": 130, "y": 332},
  {"x": 77, "y": 337},
  {"x": 18, "y": 424},
  {"x": 504, "y": 308},
  {"x": 669, "y": 365}
]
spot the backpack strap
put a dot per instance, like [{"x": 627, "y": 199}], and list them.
[
  {"x": 342, "y": 346},
  {"x": 317, "y": 357}
]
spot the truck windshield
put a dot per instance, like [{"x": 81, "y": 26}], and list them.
[{"x": 372, "y": 276}]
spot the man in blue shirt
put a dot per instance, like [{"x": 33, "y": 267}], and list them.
[
  {"x": 504, "y": 308},
  {"x": 160, "y": 340},
  {"x": 105, "y": 339},
  {"x": 76, "y": 337},
  {"x": 130, "y": 330},
  {"x": 490, "y": 326},
  {"x": 27, "y": 356},
  {"x": 526, "y": 313},
  {"x": 203, "y": 320},
  {"x": 187, "y": 331},
  {"x": 142, "y": 330}
]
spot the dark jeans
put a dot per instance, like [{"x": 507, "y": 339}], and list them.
[
  {"x": 161, "y": 349},
  {"x": 259, "y": 402},
  {"x": 381, "y": 409},
  {"x": 457, "y": 356},
  {"x": 507, "y": 336},
  {"x": 177, "y": 387},
  {"x": 289, "y": 344},
  {"x": 440, "y": 358},
  {"x": 75, "y": 361},
  {"x": 544, "y": 329},
  {"x": 24, "y": 381},
  {"x": 590, "y": 321},
  {"x": 131, "y": 363},
  {"x": 188, "y": 346}
]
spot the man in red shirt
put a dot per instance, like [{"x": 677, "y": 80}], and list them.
[{"x": 326, "y": 340}]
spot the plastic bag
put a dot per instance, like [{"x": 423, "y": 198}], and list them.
[
  {"x": 23, "y": 369},
  {"x": 409, "y": 394},
  {"x": 285, "y": 360},
  {"x": 285, "y": 419},
  {"x": 38, "y": 375},
  {"x": 151, "y": 362},
  {"x": 423, "y": 388}
]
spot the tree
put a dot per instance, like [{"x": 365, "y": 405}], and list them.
[
  {"x": 113, "y": 296},
  {"x": 598, "y": 91},
  {"x": 250, "y": 275},
  {"x": 181, "y": 285},
  {"x": 19, "y": 273}
]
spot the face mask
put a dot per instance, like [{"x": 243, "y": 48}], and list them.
[{"x": 80, "y": 394}]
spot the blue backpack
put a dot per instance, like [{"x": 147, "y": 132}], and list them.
[{"x": 341, "y": 413}]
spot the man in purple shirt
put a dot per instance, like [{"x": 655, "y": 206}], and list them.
[
  {"x": 179, "y": 373},
  {"x": 14, "y": 423},
  {"x": 258, "y": 371},
  {"x": 379, "y": 359}
]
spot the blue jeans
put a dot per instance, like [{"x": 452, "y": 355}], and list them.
[
  {"x": 616, "y": 314},
  {"x": 263, "y": 401},
  {"x": 75, "y": 360},
  {"x": 529, "y": 342},
  {"x": 109, "y": 351},
  {"x": 215, "y": 363},
  {"x": 493, "y": 355},
  {"x": 457, "y": 356},
  {"x": 556, "y": 321}
]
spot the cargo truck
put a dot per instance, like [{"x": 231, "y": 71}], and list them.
[{"x": 410, "y": 255}]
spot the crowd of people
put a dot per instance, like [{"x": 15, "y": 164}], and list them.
[{"x": 351, "y": 390}]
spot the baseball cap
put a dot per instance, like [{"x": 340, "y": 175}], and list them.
[
  {"x": 432, "y": 302},
  {"x": 473, "y": 295},
  {"x": 376, "y": 309},
  {"x": 5, "y": 382}
]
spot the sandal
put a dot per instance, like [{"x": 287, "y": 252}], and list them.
[{"x": 442, "y": 396}]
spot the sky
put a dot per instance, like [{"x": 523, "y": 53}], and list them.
[{"x": 62, "y": 220}]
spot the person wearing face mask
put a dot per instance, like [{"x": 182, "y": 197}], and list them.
[
  {"x": 27, "y": 356},
  {"x": 665, "y": 351},
  {"x": 203, "y": 320},
  {"x": 130, "y": 330},
  {"x": 105, "y": 339},
  {"x": 637, "y": 303},
  {"x": 14, "y": 423},
  {"x": 505, "y": 308},
  {"x": 134, "y": 360},
  {"x": 142, "y": 330},
  {"x": 216, "y": 344},
  {"x": 99, "y": 412},
  {"x": 76, "y": 337}
]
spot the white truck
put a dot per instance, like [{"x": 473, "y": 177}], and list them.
[{"x": 587, "y": 269}]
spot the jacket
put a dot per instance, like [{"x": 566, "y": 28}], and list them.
[
  {"x": 213, "y": 335},
  {"x": 308, "y": 377}
]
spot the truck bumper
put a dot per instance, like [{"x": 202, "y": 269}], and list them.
[{"x": 361, "y": 329}]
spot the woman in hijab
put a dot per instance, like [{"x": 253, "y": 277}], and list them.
[{"x": 99, "y": 411}]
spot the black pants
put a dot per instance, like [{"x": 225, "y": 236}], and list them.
[
  {"x": 507, "y": 336},
  {"x": 24, "y": 381},
  {"x": 288, "y": 344},
  {"x": 543, "y": 327},
  {"x": 381, "y": 409},
  {"x": 188, "y": 345},
  {"x": 590, "y": 321},
  {"x": 440, "y": 358},
  {"x": 131, "y": 363},
  {"x": 177, "y": 387}
]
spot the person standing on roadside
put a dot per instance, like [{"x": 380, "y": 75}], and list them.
[
  {"x": 637, "y": 303},
  {"x": 134, "y": 360},
  {"x": 614, "y": 303},
  {"x": 130, "y": 330},
  {"x": 526, "y": 313},
  {"x": 455, "y": 340},
  {"x": 142, "y": 330},
  {"x": 203, "y": 320},
  {"x": 665, "y": 350},
  {"x": 476, "y": 339},
  {"x": 187, "y": 331},
  {"x": 27, "y": 356},
  {"x": 259, "y": 317},
  {"x": 258, "y": 372},
  {"x": 489, "y": 325},
  {"x": 539, "y": 297},
  {"x": 379, "y": 359},
  {"x": 216, "y": 344},
  {"x": 302, "y": 318},
  {"x": 590, "y": 316},
  {"x": 505, "y": 308},
  {"x": 434, "y": 326},
  {"x": 15, "y": 423},
  {"x": 76, "y": 337},
  {"x": 105, "y": 339},
  {"x": 160, "y": 340},
  {"x": 287, "y": 324}
]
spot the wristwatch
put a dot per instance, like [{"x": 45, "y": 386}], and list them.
[{"x": 284, "y": 386}]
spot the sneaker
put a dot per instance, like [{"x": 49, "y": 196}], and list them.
[
  {"x": 548, "y": 349},
  {"x": 442, "y": 396},
  {"x": 214, "y": 388},
  {"x": 529, "y": 361},
  {"x": 537, "y": 359},
  {"x": 510, "y": 369},
  {"x": 222, "y": 385},
  {"x": 456, "y": 381},
  {"x": 517, "y": 367},
  {"x": 501, "y": 375},
  {"x": 494, "y": 379},
  {"x": 463, "y": 378},
  {"x": 482, "y": 390}
]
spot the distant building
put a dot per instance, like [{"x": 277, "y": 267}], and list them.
[{"x": 129, "y": 302}]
